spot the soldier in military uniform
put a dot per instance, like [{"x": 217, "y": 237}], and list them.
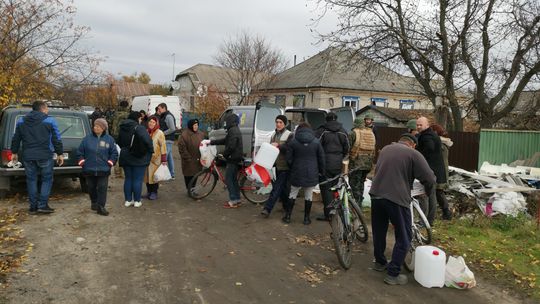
[{"x": 361, "y": 155}]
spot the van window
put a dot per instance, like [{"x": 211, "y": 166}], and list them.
[
  {"x": 69, "y": 126},
  {"x": 266, "y": 117},
  {"x": 246, "y": 117}
]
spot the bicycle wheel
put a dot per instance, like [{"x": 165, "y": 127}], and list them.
[
  {"x": 342, "y": 244},
  {"x": 202, "y": 184},
  {"x": 421, "y": 235},
  {"x": 359, "y": 223},
  {"x": 422, "y": 226},
  {"x": 254, "y": 192}
]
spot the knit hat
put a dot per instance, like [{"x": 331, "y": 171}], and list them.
[
  {"x": 411, "y": 124},
  {"x": 410, "y": 137},
  {"x": 102, "y": 123},
  {"x": 192, "y": 122},
  {"x": 282, "y": 118}
]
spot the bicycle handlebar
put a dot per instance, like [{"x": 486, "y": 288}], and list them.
[{"x": 339, "y": 176}]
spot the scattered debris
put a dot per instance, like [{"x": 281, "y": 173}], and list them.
[{"x": 496, "y": 189}]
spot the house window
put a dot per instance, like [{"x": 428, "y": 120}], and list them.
[
  {"x": 379, "y": 102},
  {"x": 299, "y": 101},
  {"x": 351, "y": 101},
  {"x": 406, "y": 104},
  {"x": 264, "y": 98},
  {"x": 280, "y": 100}
]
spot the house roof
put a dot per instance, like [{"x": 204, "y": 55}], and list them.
[
  {"x": 129, "y": 89},
  {"x": 333, "y": 69},
  {"x": 210, "y": 75},
  {"x": 401, "y": 115}
]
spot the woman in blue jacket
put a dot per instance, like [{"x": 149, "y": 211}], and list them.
[{"x": 97, "y": 155}]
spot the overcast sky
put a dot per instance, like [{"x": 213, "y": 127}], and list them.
[{"x": 141, "y": 35}]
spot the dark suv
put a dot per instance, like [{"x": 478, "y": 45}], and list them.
[{"x": 73, "y": 126}]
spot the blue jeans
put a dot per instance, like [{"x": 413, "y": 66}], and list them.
[
  {"x": 133, "y": 182},
  {"x": 280, "y": 189},
  {"x": 170, "y": 161},
  {"x": 231, "y": 179},
  {"x": 33, "y": 168}
]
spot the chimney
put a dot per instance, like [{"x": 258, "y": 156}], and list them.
[{"x": 294, "y": 60}]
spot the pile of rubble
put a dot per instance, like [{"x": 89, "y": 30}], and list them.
[{"x": 495, "y": 189}]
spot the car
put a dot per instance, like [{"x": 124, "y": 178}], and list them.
[
  {"x": 257, "y": 122},
  {"x": 73, "y": 125}
]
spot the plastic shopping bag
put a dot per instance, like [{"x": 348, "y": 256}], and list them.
[
  {"x": 162, "y": 174},
  {"x": 458, "y": 275},
  {"x": 258, "y": 174},
  {"x": 208, "y": 153}
]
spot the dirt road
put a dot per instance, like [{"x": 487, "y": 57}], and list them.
[{"x": 176, "y": 250}]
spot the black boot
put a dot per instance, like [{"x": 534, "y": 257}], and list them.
[
  {"x": 447, "y": 214},
  {"x": 288, "y": 211},
  {"x": 307, "y": 211},
  {"x": 102, "y": 211}
]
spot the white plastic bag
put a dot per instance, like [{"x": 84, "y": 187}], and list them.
[
  {"x": 162, "y": 174},
  {"x": 208, "y": 153},
  {"x": 458, "y": 275}
]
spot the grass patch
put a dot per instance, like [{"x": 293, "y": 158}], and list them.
[{"x": 504, "y": 250}]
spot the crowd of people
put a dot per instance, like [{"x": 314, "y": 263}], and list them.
[{"x": 306, "y": 158}]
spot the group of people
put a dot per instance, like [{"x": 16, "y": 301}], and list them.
[{"x": 306, "y": 158}]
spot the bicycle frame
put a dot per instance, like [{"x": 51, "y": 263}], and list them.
[{"x": 342, "y": 191}]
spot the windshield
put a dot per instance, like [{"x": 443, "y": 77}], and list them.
[{"x": 69, "y": 126}]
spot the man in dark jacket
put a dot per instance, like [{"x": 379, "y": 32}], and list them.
[
  {"x": 40, "y": 138},
  {"x": 233, "y": 156},
  {"x": 429, "y": 145},
  {"x": 397, "y": 167},
  {"x": 335, "y": 142},
  {"x": 167, "y": 124},
  {"x": 279, "y": 139}
]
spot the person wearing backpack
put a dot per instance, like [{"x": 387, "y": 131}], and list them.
[
  {"x": 335, "y": 142},
  {"x": 136, "y": 149},
  {"x": 361, "y": 156}
]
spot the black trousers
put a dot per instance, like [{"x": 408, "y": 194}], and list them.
[
  {"x": 187, "y": 179},
  {"x": 152, "y": 188},
  {"x": 382, "y": 211},
  {"x": 326, "y": 194},
  {"x": 97, "y": 188}
]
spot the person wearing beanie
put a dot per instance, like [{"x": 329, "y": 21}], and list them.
[
  {"x": 335, "y": 142},
  {"x": 97, "y": 154},
  {"x": 280, "y": 186},
  {"x": 188, "y": 146},
  {"x": 159, "y": 157}
]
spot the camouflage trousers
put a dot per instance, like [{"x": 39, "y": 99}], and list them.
[{"x": 358, "y": 177}]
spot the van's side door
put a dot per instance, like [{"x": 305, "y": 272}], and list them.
[
  {"x": 346, "y": 116},
  {"x": 264, "y": 125}
]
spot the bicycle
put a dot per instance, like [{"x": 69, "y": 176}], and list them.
[
  {"x": 420, "y": 228},
  {"x": 204, "y": 182},
  {"x": 348, "y": 224}
]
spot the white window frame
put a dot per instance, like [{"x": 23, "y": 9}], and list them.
[
  {"x": 351, "y": 101},
  {"x": 379, "y": 102},
  {"x": 408, "y": 102}
]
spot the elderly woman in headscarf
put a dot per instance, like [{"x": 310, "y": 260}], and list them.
[
  {"x": 158, "y": 158},
  {"x": 188, "y": 145}
]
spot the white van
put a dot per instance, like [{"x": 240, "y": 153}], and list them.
[{"x": 148, "y": 103}]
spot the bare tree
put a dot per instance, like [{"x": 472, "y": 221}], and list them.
[
  {"x": 40, "y": 46},
  {"x": 252, "y": 62},
  {"x": 486, "y": 48}
]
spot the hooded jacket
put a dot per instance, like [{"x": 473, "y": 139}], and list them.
[
  {"x": 305, "y": 157},
  {"x": 97, "y": 154},
  {"x": 140, "y": 152},
  {"x": 232, "y": 141},
  {"x": 39, "y": 136},
  {"x": 335, "y": 142},
  {"x": 429, "y": 144}
]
